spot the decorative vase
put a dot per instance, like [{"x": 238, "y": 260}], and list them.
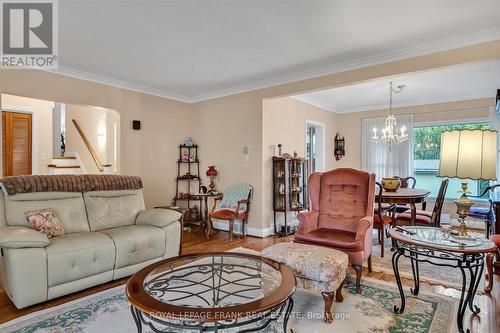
[
  {"x": 211, "y": 173},
  {"x": 391, "y": 184}
]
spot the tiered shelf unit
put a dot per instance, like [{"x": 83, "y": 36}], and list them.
[
  {"x": 289, "y": 190},
  {"x": 188, "y": 176}
]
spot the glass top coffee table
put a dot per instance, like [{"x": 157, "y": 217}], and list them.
[
  {"x": 211, "y": 292},
  {"x": 437, "y": 247}
]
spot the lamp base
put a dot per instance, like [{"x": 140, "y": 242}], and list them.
[
  {"x": 462, "y": 231},
  {"x": 463, "y": 209}
]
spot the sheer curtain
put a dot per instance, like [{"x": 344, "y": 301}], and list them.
[{"x": 378, "y": 158}]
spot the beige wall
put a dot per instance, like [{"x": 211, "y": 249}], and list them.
[
  {"x": 222, "y": 126},
  {"x": 96, "y": 124},
  {"x": 284, "y": 122},
  {"x": 41, "y": 111},
  {"x": 149, "y": 153},
  {"x": 349, "y": 124}
]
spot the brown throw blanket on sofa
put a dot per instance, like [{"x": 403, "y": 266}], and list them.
[{"x": 70, "y": 183}]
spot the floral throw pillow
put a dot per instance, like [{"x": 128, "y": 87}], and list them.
[{"x": 45, "y": 221}]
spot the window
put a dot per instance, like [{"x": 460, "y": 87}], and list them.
[{"x": 426, "y": 146}]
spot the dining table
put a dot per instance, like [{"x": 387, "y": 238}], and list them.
[{"x": 406, "y": 196}]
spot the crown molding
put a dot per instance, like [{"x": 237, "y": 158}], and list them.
[
  {"x": 314, "y": 103},
  {"x": 385, "y": 106},
  {"x": 96, "y": 78},
  {"x": 385, "y": 57}
]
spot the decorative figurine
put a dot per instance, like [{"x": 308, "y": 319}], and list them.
[
  {"x": 192, "y": 158},
  {"x": 185, "y": 156},
  {"x": 188, "y": 142},
  {"x": 212, "y": 173},
  {"x": 279, "y": 149}
]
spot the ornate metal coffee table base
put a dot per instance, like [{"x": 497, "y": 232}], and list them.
[
  {"x": 473, "y": 263},
  {"x": 252, "y": 324}
]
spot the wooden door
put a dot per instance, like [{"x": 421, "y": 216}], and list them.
[{"x": 16, "y": 143}]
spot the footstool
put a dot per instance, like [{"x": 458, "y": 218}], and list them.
[{"x": 315, "y": 267}]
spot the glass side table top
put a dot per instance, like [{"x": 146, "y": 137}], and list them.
[
  {"x": 212, "y": 281},
  {"x": 438, "y": 238}
]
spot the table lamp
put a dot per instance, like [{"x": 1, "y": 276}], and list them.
[{"x": 468, "y": 154}]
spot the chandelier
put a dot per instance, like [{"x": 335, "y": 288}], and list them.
[{"x": 390, "y": 134}]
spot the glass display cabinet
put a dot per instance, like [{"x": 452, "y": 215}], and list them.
[{"x": 289, "y": 191}]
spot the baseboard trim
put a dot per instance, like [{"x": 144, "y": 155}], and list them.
[{"x": 262, "y": 233}]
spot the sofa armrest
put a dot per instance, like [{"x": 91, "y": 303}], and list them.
[
  {"x": 158, "y": 217},
  {"x": 308, "y": 221},
  {"x": 20, "y": 237},
  {"x": 363, "y": 226}
]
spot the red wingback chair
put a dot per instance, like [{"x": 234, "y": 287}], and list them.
[{"x": 341, "y": 215}]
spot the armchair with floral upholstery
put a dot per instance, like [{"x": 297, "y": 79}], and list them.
[
  {"x": 233, "y": 205},
  {"x": 341, "y": 215}
]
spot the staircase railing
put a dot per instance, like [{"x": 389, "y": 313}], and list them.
[{"x": 92, "y": 152}]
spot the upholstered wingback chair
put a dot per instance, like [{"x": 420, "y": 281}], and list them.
[{"x": 341, "y": 214}]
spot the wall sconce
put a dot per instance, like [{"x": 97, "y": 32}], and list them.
[{"x": 339, "y": 147}]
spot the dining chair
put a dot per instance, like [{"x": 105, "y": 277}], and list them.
[
  {"x": 424, "y": 217},
  {"x": 489, "y": 263},
  {"x": 485, "y": 212},
  {"x": 381, "y": 219},
  {"x": 407, "y": 182},
  {"x": 234, "y": 204}
]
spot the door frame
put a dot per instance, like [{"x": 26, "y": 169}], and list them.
[
  {"x": 320, "y": 144},
  {"x": 34, "y": 133}
]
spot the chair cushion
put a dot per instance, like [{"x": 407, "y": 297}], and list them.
[
  {"x": 339, "y": 239},
  {"x": 419, "y": 219},
  {"x": 137, "y": 243},
  {"x": 385, "y": 219},
  {"x": 76, "y": 256},
  {"x": 496, "y": 239},
  {"x": 226, "y": 214},
  {"x": 310, "y": 262}
]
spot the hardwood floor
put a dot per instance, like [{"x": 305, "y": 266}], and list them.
[{"x": 484, "y": 323}]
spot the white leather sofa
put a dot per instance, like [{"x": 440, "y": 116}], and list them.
[{"x": 109, "y": 235}]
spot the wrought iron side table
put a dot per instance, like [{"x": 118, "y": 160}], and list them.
[
  {"x": 429, "y": 245},
  {"x": 211, "y": 292}
]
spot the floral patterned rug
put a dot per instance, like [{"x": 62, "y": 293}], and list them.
[{"x": 371, "y": 312}]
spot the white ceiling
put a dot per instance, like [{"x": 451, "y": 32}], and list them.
[
  {"x": 454, "y": 83},
  {"x": 193, "y": 50}
]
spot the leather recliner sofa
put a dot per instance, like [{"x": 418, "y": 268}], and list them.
[{"x": 108, "y": 235}]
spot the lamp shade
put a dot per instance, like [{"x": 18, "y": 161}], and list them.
[{"x": 468, "y": 154}]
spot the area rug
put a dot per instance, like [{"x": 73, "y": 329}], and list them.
[
  {"x": 370, "y": 312},
  {"x": 435, "y": 275}
]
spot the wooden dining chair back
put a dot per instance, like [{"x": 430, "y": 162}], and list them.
[
  {"x": 383, "y": 216},
  {"x": 407, "y": 182},
  {"x": 438, "y": 205}
]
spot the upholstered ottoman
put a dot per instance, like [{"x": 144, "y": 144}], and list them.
[{"x": 315, "y": 267}]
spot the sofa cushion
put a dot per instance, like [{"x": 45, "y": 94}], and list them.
[
  {"x": 137, "y": 243},
  {"x": 112, "y": 209},
  {"x": 68, "y": 206},
  {"x": 338, "y": 239},
  {"x": 311, "y": 262},
  {"x": 77, "y": 256}
]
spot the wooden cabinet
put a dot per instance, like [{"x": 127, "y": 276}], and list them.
[{"x": 289, "y": 190}]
